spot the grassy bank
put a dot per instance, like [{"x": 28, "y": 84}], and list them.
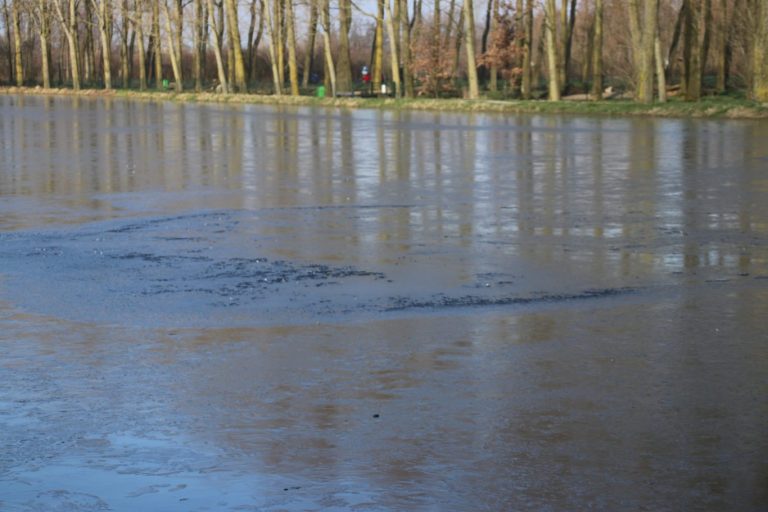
[{"x": 714, "y": 107}]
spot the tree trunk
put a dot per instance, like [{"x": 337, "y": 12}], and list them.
[
  {"x": 45, "y": 43},
  {"x": 597, "y": 52},
  {"x": 759, "y": 51},
  {"x": 457, "y": 44},
  {"x": 568, "y": 29},
  {"x": 330, "y": 67},
  {"x": 493, "y": 84},
  {"x": 678, "y": 30},
  {"x": 158, "y": 45},
  {"x": 8, "y": 47},
  {"x": 660, "y": 72},
  {"x": 18, "y": 64},
  {"x": 124, "y": 66},
  {"x": 405, "y": 50},
  {"x": 139, "y": 29},
  {"x": 173, "y": 52},
  {"x": 69, "y": 27},
  {"x": 643, "y": 32},
  {"x": 235, "y": 45},
  {"x": 692, "y": 50},
  {"x": 293, "y": 72},
  {"x": 721, "y": 42},
  {"x": 197, "y": 44},
  {"x": 394, "y": 59},
  {"x": 469, "y": 43},
  {"x": 706, "y": 35},
  {"x": 104, "y": 15},
  {"x": 527, "y": 79},
  {"x": 552, "y": 61},
  {"x": 344, "y": 65},
  {"x": 217, "y": 29},
  {"x": 40, "y": 14},
  {"x": 309, "y": 55},
  {"x": 274, "y": 29},
  {"x": 253, "y": 41},
  {"x": 280, "y": 35},
  {"x": 377, "y": 66},
  {"x": 89, "y": 50}
]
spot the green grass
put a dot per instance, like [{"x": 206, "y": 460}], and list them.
[{"x": 709, "y": 107}]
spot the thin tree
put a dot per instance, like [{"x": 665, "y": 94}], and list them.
[
  {"x": 274, "y": 48},
  {"x": 394, "y": 58},
  {"x": 377, "y": 66},
  {"x": 17, "y": 52},
  {"x": 198, "y": 55},
  {"x": 124, "y": 28},
  {"x": 343, "y": 63},
  {"x": 469, "y": 43},
  {"x": 293, "y": 72},
  {"x": 722, "y": 43},
  {"x": 254, "y": 37},
  {"x": 759, "y": 51},
  {"x": 68, "y": 21},
  {"x": 550, "y": 28},
  {"x": 597, "y": 52},
  {"x": 527, "y": 41},
  {"x": 41, "y": 17},
  {"x": 309, "y": 53},
  {"x": 218, "y": 29},
  {"x": 103, "y": 11},
  {"x": 174, "y": 51},
  {"x": 157, "y": 48},
  {"x": 330, "y": 67},
  {"x": 235, "y": 44},
  {"x": 406, "y": 56}
]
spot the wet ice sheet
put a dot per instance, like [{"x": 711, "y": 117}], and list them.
[
  {"x": 645, "y": 405},
  {"x": 246, "y": 308},
  {"x": 224, "y": 268}
]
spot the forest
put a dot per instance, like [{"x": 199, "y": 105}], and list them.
[{"x": 648, "y": 50}]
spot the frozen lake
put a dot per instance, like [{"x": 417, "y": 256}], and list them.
[{"x": 212, "y": 307}]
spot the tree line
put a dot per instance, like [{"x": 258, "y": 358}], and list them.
[{"x": 506, "y": 48}]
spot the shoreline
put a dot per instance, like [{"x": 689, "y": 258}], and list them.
[{"x": 708, "y": 108}]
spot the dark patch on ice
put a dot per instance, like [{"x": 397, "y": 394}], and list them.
[
  {"x": 468, "y": 301},
  {"x": 194, "y": 267}
]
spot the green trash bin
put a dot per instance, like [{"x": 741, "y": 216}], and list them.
[
  {"x": 321, "y": 91},
  {"x": 165, "y": 83}
]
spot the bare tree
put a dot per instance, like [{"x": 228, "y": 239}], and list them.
[
  {"x": 597, "y": 52},
  {"x": 68, "y": 21},
  {"x": 18, "y": 64},
  {"x": 759, "y": 50},
  {"x": 40, "y": 10},
  {"x": 527, "y": 42},
  {"x": 469, "y": 43},
  {"x": 394, "y": 58},
  {"x": 293, "y": 72},
  {"x": 172, "y": 24},
  {"x": 643, "y": 26},
  {"x": 550, "y": 27},
  {"x": 235, "y": 44},
  {"x": 309, "y": 53},
  {"x": 103, "y": 10},
  {"x": 330, "y": 67},
  {"x": 343, "y": 63},
  {"x": 218, "y": 29}
]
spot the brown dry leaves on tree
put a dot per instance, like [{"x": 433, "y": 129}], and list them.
[
  {"x": 433, "y": 64},
  {"x": 503, "y": 53}
]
